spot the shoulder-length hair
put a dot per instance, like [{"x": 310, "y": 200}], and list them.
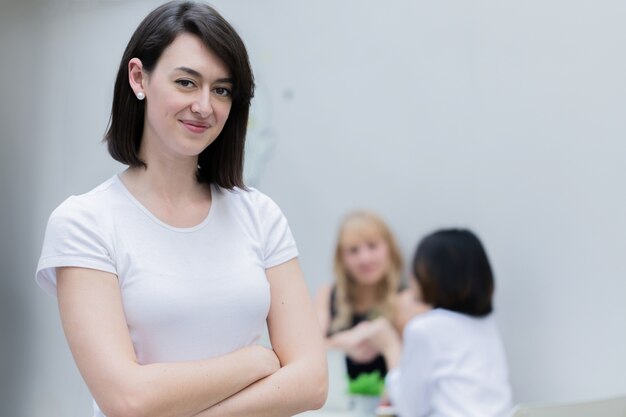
[
  {"x": 453, "y": 271},
  {"x": 222, "y": 161},
  {"x": 346, "y": 287}
]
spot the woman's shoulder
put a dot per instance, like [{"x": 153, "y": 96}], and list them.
[
  {"x": 444, "y": 323},
  {"x": 250, "y": 200},
  {"x": 248, "y": 195},
  {"x": 89, "y": 205},
  {"x": 432, "y": 320}
]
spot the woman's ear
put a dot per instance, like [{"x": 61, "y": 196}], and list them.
[{"x": 137, "y": 77}]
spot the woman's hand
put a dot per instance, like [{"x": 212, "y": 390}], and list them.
[
  {"x": 266, "y": 358},
  {"x": 384, "y": 337},
  {"x": 353, "y": 342},
  {"x": 364, "y": 352},
  {"x": 361, "y": 350}
]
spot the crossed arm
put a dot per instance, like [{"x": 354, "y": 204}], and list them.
[
  {"x": 252, "y": 381},
  {"x": 355, "y": 342}
]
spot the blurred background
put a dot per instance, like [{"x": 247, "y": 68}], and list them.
[{"x": 507, "y": 117}]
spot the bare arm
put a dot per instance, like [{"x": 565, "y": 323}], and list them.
[
  {"x": 353, "y": 342},
  {"x": 322, "y": 308},
  {"x": 93, "y": 319},
  {"x": 302, "y": 381},
  {"x": 407, "y": 307},
  {"x": 384, "y": 337}
]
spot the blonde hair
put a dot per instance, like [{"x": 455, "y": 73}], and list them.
[{"x": 346, "y": 287}]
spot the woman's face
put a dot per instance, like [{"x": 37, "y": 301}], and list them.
[
  {"x": 188, "y": 99},
  {"x": 366, "y": 258}
]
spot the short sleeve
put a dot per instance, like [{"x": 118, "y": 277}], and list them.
[
  {"x": 278, "y": 243},
  {"x": 74, "y": 237}
]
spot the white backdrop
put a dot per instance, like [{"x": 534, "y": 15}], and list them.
[{"x": 507, "y": 117}]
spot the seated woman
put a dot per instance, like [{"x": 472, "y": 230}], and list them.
[
  {"x": 452, "y": 362},
  {"x": 368, "y": 267}
]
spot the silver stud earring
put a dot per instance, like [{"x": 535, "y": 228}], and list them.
[{"x": 140, "y": 95}]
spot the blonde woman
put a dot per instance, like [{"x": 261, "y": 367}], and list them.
[{"x": 368, "y": 268}]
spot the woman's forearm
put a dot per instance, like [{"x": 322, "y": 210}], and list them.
[
  {"x": 346, "y": 339},
  {"x": 293, "y": 389},
  {"x": 97, "y": 332},
  {"x": 302, "y": 382},
  {"x": 182, "y": 389}
]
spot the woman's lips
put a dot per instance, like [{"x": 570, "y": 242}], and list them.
[
  {"x": 195, "y": 127},
  {"x": 367, "y": 269}
]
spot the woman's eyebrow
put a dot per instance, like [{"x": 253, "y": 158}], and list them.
[
  {"x": 189, "y": 71},
  {"x": 196, "y": 74}
]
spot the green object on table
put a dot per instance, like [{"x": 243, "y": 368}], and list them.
[{"x": 372, "y": 384}]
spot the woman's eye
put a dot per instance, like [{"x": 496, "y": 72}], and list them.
[
  {"x": 222, "y": 91},
  {"x": 185, "y": 83}
]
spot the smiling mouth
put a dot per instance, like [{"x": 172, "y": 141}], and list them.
[
  {"x": 195, "y": 127},
  {"x": 368, "y": 269}
]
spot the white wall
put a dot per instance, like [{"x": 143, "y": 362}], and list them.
[{"x": 505, "y": 117}]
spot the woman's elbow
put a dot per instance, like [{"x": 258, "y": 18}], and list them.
[
  {"x": 310, "y": 382},
  {"x": 319, "y": 386},
  {"x": 120, "y": 408},
  {"x": 126, "y": 404},
  {"x": 318, "y": 398}
]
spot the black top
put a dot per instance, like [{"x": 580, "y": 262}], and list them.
[{"x": 354, "y": 368}]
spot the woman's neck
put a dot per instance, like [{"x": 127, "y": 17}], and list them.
[
  {"x": 174, "y": 196},
  {"x": 365, "y": 298},
  {"x": 166, "y": 183},
  {"x": 166, "y": 178}
]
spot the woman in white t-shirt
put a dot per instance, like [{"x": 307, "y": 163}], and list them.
[
  {"x": 451, "y": 362},
  {"x": 167, "y": 273}
]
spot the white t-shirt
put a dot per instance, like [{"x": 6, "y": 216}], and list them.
[
  {"x": 453, "y": 365},
  {"x": 188, "y": 293}
]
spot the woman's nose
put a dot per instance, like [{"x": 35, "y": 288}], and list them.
[
  {"x": 363, "y": 256},
  {"x": 202, "y": 104}
]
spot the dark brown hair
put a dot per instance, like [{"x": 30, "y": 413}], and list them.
[
  {"x": 453, "y": 272},
  {"x": 222, "y": 161}
]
